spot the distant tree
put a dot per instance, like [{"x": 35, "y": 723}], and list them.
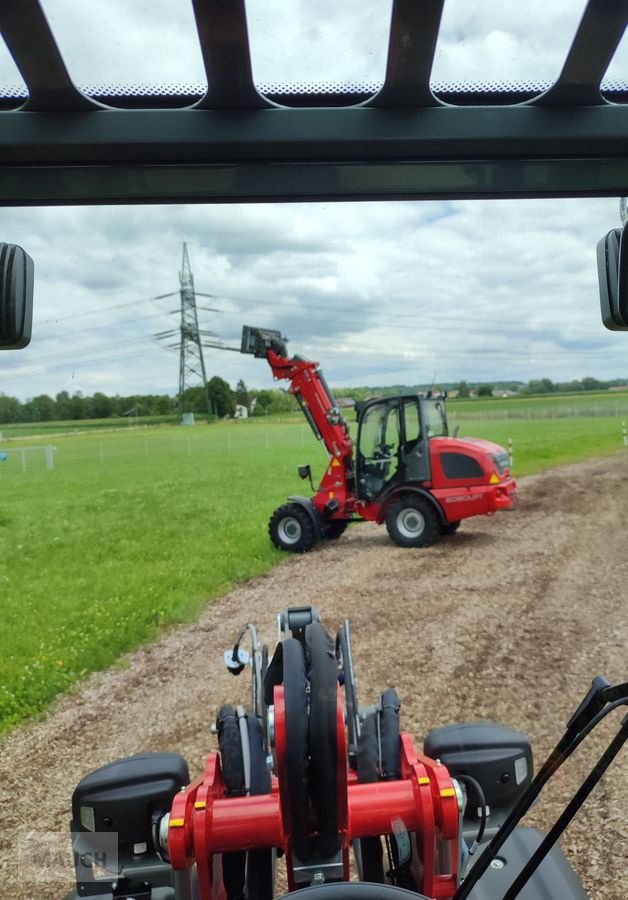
[
  {"x": 9, "y": 408},
  {"x": 221, "y": 397},
  {"x": 242, "y": 394},
  {"x": 63, "y": 406},
  {"x": 485, "y": 390},
  {"x": 77, "y": 406},
  {"x": 195, "y": 400},
  {"x": 540, "y": 386},
  {"x": 592, "y": 384},
  {"x": 282, "y": 401},
  {"x": 161, "y": 406},
  {"x": 100, "y": 406},
  {"x": 44, "y": 408},
  {"x": 264, "y": 402},
  {"x": 463, "y": 389}
]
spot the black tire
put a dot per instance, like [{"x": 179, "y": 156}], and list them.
[
  {"x": 412, "y": 521},
  {"x": 343, "y": 655},
  {"x": 295, "y": 684},
  {"x": 450, "y": 527},
  {"x": 334, "y": 529},
  {"x": 322, "y": 736},
  {"x": 291, "y": 529}
]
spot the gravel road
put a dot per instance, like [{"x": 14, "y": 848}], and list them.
[{"x": 507, "y": 620}]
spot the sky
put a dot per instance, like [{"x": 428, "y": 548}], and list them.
[{"x": 379, "y": 293}]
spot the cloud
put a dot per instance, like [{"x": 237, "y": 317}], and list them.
[{"x": 387, "y": 292}]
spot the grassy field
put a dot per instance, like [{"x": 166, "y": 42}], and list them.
[
  {"x": 132, "y": 531},
  {"x": 547, "y": 406}
]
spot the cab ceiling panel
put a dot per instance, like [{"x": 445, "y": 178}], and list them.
[{"x": 233, "y": 142}]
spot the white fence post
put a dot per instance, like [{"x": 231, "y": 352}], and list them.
[
  {"x": 510, "y": 455},
  {"x": 623, "y": 428}
]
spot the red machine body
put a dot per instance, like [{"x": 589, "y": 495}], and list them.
[
  {"x": 204, "y": 823},
  {"x": 404, "y": 470}
]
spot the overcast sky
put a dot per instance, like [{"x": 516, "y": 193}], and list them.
[{"x": 379, "y": 293}]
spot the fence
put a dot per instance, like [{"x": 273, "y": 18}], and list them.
[
  {"x": 559, "y": 411},
  {"x": 21, "y": 456},
  {"x": 199, "y": 445}
]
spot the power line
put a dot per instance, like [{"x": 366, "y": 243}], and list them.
[{"x": 94, "y": 312}]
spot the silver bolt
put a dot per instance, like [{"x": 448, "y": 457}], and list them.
[
  {"x": 497, "y": 863},
  {"x": 318, "y": 878}
]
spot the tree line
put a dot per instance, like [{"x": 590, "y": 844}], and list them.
[{"x": 218, "y": 399}]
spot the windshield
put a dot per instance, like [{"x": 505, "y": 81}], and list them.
[{"x": 152, "y": 475}]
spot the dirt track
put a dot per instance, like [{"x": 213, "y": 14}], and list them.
[{"x": 508, "y": 620}]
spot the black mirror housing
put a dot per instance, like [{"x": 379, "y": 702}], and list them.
[
  {"x": 612, "y": 269},
  {"x": 16, "y": 297}
]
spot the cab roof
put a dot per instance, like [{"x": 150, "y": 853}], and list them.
[{"x": 236, "y": 143}]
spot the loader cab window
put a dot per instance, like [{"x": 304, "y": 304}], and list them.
[
  {"x": 434, "y": 418},
  {"x": 378, "y": 448},
  {"x": 412, "y": 421}
]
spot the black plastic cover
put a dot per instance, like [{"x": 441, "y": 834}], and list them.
[
  {"x": 125, "y": 796},
  {"x": 499, "y": 758},
  {"x": 553, "y": 880}
]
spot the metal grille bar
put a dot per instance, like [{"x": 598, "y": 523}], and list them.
[
  {"x": 413, "y": 34},
  {"x": 601, "y": 29},
  {"x": 224, "y": 39},
  {"x": 27, "y": 33}
]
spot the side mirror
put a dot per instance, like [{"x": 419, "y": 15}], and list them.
[
  {"x": 612, "y": 270},
  {"x": 16, "y": 297}
]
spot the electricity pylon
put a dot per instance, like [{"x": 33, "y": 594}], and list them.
[{"x": 191, "y": 337}]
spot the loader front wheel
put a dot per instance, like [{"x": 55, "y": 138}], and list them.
[
  {"x": 413, "y": 522},
  {"x": 291, "y": 528}
]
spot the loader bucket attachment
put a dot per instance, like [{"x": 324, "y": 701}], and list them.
[{"x": 258, "y": 341}]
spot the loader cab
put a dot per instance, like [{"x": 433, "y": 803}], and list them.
[{"x": 393, "y": 439}]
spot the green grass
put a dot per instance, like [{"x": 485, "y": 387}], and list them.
[
  {"x": 127, "y": 534},
  {"x": 539, "y": 444},
  {"x": 133, "y": 531}
]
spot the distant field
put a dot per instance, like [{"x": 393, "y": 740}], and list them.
[
  {"x": 33, "y": 429},
  {"x": 546, "y": 406},
  {"x": 135, "y": 530}
]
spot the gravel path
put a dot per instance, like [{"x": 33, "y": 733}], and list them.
[{"x": 509, "y": 620}]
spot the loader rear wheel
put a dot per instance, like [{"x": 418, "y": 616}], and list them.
[
  {"x": 413, "y": 522},
  {"x": 292, "y": 529}
]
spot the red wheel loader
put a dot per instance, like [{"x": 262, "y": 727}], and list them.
[{"x": 404, "y": 469}]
